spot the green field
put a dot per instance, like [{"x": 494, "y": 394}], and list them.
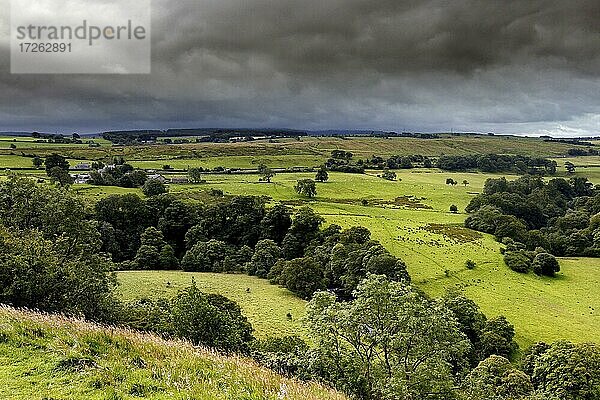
[
  {"x": 244, "y": 162},
  {"x": 410, "y": 217},
  {"x": 588, "y": 167},
  {"x": 421, "y": 231},
  {"x": 308, "y": 151},
  {"x": 9, "y": 161},
  {"x": 51, "y": 357},
  {"x": 266, "y": 306}
]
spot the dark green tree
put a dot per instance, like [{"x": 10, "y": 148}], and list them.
[
  {"x": 56, "y": 160},
  {"x": 266, "y": 254},
  {"x": 304, "y": 229},
  {"x": 322, "y": 175},
  {"x": 302, "y": 276},
  {"x": 205, "y": 257},
  {"x": 167, "y": 258},
  {"x": 210, "y": 320},
  {"x": 565, "y": 370},
  {"x": 276, "y": 223},
  {"x": 266, "y": 174},
  {"x": 60, "y": 177},
  {"x": 389, "y": 175},
  {"x": 517, "y": 261},
  {"x": 147, "y": 257},
  {"x": 123, "y": 219},
  {"x": 306, "y": 187},
  {"x": 570, "y": 167},
  {"x": 497, "y": 337},
  {"x": 391, "y": 342},
  {"x": 496, "y": 378},
  {"x": 37, "y": 162},
  {"x": 154, "y": 187},
  {"x": 58, "y": 274},
  {"x": 195, "y": 175}
]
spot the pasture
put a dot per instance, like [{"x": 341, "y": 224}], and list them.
[
  {"x": 266, "y": 306},
  {"x": 588, "y": 167},
  {"x": 307, "y": 151},
  {"x": 411, "y": 218}
]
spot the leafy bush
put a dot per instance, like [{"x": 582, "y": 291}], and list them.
[
  {"x": 37, "y": 273},
  {"x": 566, "y": 370},
  {"x": 210, "y": 320},
  {"x": 266, "y": 254},
  {"x": 545, "y": 264},
  {"x": 288, "y": 356},
  {"x": 306, "y": 187},
  {"x": 518, "y": 261},
  {"x": 302, "y": 276},
  {"x": 389, "y": 343},
  {"x": 204, "y": 319},
  {"x": 495, "y": 378}
]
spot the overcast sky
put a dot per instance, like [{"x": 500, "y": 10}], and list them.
[{"x": 525, "y": 67}]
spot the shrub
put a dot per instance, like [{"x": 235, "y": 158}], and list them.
[
  {"x": 566, "y": 370},
  {"x": 302, "y": 276},
  {"x": 306, "y": 187},
  {"x": 266, "y": 253},
  {"x": 517, "y": 261},
  {"x": 167, "y": 258},
  {"x": 545, "y": 264},
  {"x": 496, "y": 378},
  {"x": 204, "y": 319},
  {"x": 286, "y": 355},
  {"x": 147, "y": 257},
  {"x": 210, "y": 320}
]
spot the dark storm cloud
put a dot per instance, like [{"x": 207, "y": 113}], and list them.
[
  {"x": 511, "y": 66},
  {"x": 395, "y": 36}
]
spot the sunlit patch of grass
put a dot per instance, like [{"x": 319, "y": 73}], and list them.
[{"x": 273, "y": 311}]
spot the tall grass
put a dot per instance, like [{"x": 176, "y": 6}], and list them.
[{"x": 59, "y": 357}]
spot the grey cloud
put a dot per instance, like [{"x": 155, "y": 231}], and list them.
[{"x": 508, "y": 66}]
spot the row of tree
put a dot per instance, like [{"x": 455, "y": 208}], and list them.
[
  {"x": 241, "y": 235},
  {"x": 497, "y": 163},
  {"x": 342, "y": 161}
]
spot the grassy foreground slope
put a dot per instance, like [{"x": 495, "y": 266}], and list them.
[
  {"x": 51, "y": 357},
  {"x": 266, "y": 306}
]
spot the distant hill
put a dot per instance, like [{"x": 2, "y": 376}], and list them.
[
  {"x": 53, "y": 357},
  {"x": 19, "y": 133}
]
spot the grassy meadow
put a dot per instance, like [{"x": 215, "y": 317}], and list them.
[
  {"x": 409, "y": 216},
  {"x": 588, "y": 166},
  {"x": 52, "y": 357},
  {"x": 266, "y": 306},
  {"x": 308, "y": 151}
]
